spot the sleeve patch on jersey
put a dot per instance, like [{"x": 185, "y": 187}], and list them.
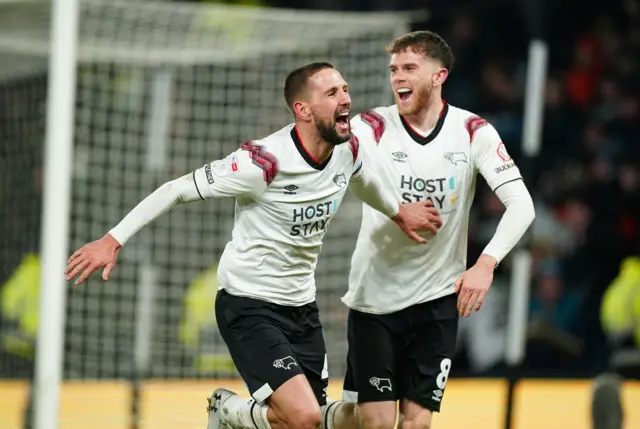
[
  {"x": 376, "y": 122},
  {"x": 263, "y": 159},
  {"x": 502, "y": 153},
  {"x": 473, "y": 124},
  {"x": 225, "y": 167},
  {"x": 354, "y": 145}
]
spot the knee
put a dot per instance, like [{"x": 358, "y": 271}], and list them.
[
  {"x": 377, "y": 418},
  {"x": 419, "y": 421},
  {"x": 308, "y": 418}
]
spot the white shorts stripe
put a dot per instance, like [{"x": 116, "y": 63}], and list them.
[
  {"x": 349, "y": 396},
  {"x": 262, "y": 393}
]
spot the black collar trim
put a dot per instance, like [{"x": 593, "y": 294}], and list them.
[
  {"x": 433, "y": 134},
  {"x": 305, "y": 155}
]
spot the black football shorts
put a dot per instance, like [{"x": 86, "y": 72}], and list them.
[
  {"x": 406, "y": 354},
  {"x": 271, "y": 343}
]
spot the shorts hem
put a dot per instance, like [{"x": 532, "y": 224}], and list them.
[
  {"x": 426, "y": 404},
  {"x": 368, "y": 401},
  {"x": 355, "y": 397}
]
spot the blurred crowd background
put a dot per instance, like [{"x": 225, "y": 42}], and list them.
[{"x": 585, "y": 182}]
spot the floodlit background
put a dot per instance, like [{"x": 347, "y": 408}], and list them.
[{"x": 162, "y": 87}]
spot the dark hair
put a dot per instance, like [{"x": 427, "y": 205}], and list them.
[
  {"x": 296, "y": 81},
  {"x": 425, "y": 43}
]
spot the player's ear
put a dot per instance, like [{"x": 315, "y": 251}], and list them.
[
  {"x": 440, "y": 76},
  {"x": 302, "y": 110}
]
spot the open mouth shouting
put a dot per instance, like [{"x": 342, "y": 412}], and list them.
[
  {"x": 404, "y": 94},
  {"x": 342, "y": 122}
]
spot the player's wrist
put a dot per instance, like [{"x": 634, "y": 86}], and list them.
[
  {"x": 394, "y": 213},
  {"x": 397, "y": 215},
  {"x": 111, "y": 240},
  {"x": 487, "y": 262}
]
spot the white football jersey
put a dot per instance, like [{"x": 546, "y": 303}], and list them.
[
  {"x": 285, "y": 201},
  {"x": 389, "y": 271}
]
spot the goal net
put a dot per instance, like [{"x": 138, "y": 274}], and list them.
[{"x": 161, "y": 89}]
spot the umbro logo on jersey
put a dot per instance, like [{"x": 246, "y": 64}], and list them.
[
  {"x": 399, "y": 156},
  {"x": 437, "y": 395},
  {"x": 290, "y": 189},
  {"x": 456, "y": 157},
  {"x": 340, "y": 180}
]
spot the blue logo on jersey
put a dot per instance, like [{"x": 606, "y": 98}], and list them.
[
  {"x": 312, "y": 219},
  {"x": 437, "y": 190}
]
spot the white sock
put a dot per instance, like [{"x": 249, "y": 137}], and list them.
[
  {"x": 328, "y": 413},
  {"x": 244, "y": 413},
  {"x": 259, "y": 414}
]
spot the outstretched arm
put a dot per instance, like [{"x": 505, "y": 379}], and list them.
[
  {"x": 240, "y": 173},
  {"x": 178, "y": 191},
  {"x": 246, "y": 172}
]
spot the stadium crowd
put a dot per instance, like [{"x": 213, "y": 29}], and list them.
[{"x": 585, "y": 181}]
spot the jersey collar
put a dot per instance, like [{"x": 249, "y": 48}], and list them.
[
  {"x": 305, "y": 155},
  {"x": 423, "y": 140}
]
